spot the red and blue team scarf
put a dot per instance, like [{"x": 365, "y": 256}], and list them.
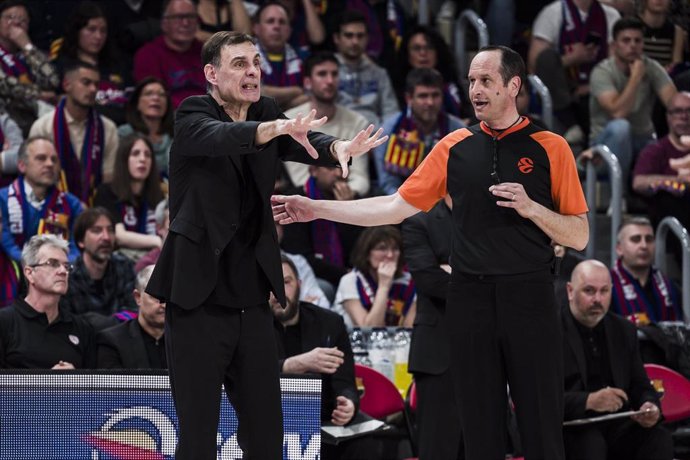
[
  {"x": 287, "y": 72},
  {"x": 400, "y": 297},
  {"x": 573, "y": 30},
  {"x": 138, "y": 218},
  {"x": 634, "y": 303},
  {"x": 405, "y": 149},
  {"x": 80, "y": 178},
  {"x": 14, "y": 65},
  {"x": 55, "y": 217},
  {"x": 324, "y": 233}
]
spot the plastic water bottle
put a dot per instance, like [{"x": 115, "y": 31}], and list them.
[
  {"x": 380, "y": 352},
  {"x": 401, "y": 347}
]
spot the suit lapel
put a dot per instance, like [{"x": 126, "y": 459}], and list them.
[
  {"x": 308, "y": 331},
  {"x": 234, "y": 159},
  {"x": 613, "y": 344}
]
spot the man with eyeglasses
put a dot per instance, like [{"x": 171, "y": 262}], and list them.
[
  {"x": 515, "y": 191},
  {"x": 26, "y": 76},
  {"x": 35, "y": 332},
  {"x": 175, "y": 56},
  {"x": 31, "y": 205},
  {"x": 662, "y": 171},
  {"x": 364, "y": 86},
  {"x": 102, "y": 283},
  {"x": 641, "y": 292}
]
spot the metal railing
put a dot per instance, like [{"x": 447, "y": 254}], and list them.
[
  {"x": 423, "y": 12},
  {"x": 671, "y": 223},
  {"x": 615, "y": 176},
  {"x": 460, "y": 30},
  {"x": 545, "y": 97}
]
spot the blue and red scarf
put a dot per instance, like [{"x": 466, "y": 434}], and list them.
[
  {"x": 406, "y": 149},
  {"x": 80, "y": 178},
  {"x": 55, "y": 218},
  {"x": 138, "y": 218},
  {"x": 324, "y": 233},
  {"x": 400, "y": 297},
  {"x": 573, "y": 30},
  {"x": 634, "y": 303},
  {"x": 14, "y": 65}
]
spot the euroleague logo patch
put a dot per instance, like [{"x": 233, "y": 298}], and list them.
[{"x": 525, "y": 165}]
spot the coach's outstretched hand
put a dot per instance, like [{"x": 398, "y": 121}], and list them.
[{"x": 361, "y": 143}]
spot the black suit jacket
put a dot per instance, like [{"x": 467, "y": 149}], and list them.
[
  {"x": 122, "y": 347},
  {"x": 426, "y": 242},
  {"x": 206, "y": 181},
  {"x": 323, "y": 328},
  {"x": 627, "y": 369}
]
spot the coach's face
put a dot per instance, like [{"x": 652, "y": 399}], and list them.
[{"x": 238, "y": 77}]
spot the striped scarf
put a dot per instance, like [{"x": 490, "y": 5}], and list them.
[
  {"x": 79, "y": 178},
  {"x": 324, "y": 233},
  {"x": 14, "y": 66},
  {"x": 573, "y": 30},
  {"x": 633, "y": 302},
  {"x": 406, "y": 150},
  {"x": 400, "y": 297}
]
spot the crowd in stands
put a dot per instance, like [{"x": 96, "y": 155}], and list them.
[{"x": 88, "y": 92}]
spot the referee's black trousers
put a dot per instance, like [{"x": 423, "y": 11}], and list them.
[{"x": 505, "y": 329}]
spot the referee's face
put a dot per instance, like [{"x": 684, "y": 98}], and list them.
[{"x": 493, "y": 101}]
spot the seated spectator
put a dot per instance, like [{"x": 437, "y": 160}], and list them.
[
  {"x": 310, "y": 290},
  {"x": 326, "y": 245},
  {"x": 659, "y": 174},
  {"x": 281, "y": 67},
  {"x": 307, "y": 25},
  {"x": 102, "y": 282},
  {"x": 33, "y": 205},
  {"x": 162, "y": 215},
  {"x": 37, "y": 333},
  {"x": 87, "y": 39},
  {"x": 321, "y": 84},
  {"x": 564, "y": 48},
  {"x": 175, "y": 56},
  {"x": 363, "y": 86},
  {"x": 604, "y": 375},
  {"x": 378, "y": 291},
  {"x": 215, "y": 16},
  {"x": 386, "y": 23},
  {"x": 86, "y": 142},
  {"x": 424, "y": 47},
  {"x": 641, "y": 292},
  {"x": 623, "y": 90},
  {"x": 312, "y": 340},
  {"x": 26, "y": 76},
  {"x": 663, "y": 41},
  {"x": 150, "y": 113},
  {"x": 414, "y": 132},
  {"x": 137, "y": 343},
  {"x": 132, "y": 196},
  {"x": 11, "y": 139}
]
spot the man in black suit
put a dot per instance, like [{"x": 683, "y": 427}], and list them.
[
  {"x": 314, "y": 340},
  {"x": 426, "y": 241},
  {"x": 138, "y": 343},
  {"x": 221, "y": 257},
  {"x": 604, "y": 374}
]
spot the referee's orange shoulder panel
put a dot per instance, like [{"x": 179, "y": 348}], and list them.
[
  {"x": 566, "y": 189},
  {"x": 428, "y": 183}
]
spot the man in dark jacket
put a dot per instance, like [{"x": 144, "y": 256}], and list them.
[{"x": 604, "y": 375}]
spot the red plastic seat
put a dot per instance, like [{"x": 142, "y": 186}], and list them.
[
  {"x": 675, "y": 389},
  {"x": 412, "y": 397},
  {"x": 381, "y": 398}
]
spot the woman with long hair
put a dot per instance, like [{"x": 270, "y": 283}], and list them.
[
  {"x": 133, "y": 194},
  {"x": 378, "y": 291},
  {"x": 149, "y": 113},
  {"x": 87, "y": 39}
]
